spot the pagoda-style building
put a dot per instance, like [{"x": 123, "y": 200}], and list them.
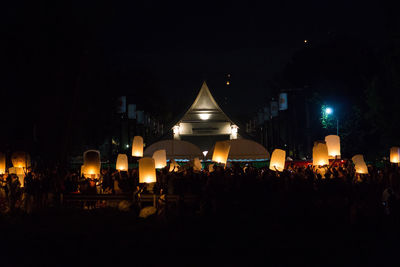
[{"x": 205, "y": 122}]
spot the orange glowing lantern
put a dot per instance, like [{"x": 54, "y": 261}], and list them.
[
  {"x": 147, "y": 171},
  {"x": 137, "y": 146},
  {"x": 333, "y": 144},
  {"x": 221, "y": 152},
  {"x": 21, "y": 160},
  {"x": 92, "y": 164},
  {"x": 160, "y": 158},
  {"x": 2, "y": 163},
  {"x": 278, "y": 159},
  {"x": 359, "y": 164},
  {"x": 395, "y": 155},
  {"x": 122, "y": 162},
  {"x": 320, "y": 154}
]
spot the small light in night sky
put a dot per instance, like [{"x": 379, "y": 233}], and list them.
[
  {"x": 229, "y": 75},
  {"x": 227, "y": 82},
  {"x": 305, "y": 41}
]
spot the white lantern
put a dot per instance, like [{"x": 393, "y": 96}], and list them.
[
  {"x": 147, "y": 170},
  {"x": 333, "y": 144},
  {"x": 92, "y": 164},
  {"x": 2, "y": 163},
  {"x": 137, "y": 146},
  {"x": 360, "y": 165},
  {"x": 320, "y": 154},
  {"x": 277, "y": 161},
  {"x": 395, "y": 155},
  {"x": 221, "y": 152},
  {"x": 160, "y": 158},
  {"x": 122, "y": 162},
  {"x": 173, "y": 166}
]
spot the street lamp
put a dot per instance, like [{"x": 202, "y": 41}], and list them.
[{"x": 329, "y": 111}]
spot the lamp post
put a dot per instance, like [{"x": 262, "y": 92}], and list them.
[{"x": 329, "y": 111}]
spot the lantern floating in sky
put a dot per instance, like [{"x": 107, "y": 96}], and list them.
[
  {"x": 122, "y": 162},
  {"x": 221, "y": 152},
  {"x": 173, "y": 166},
  {"x": 147, "y": 170},
  {"x": 360, "y": 165},
  {"x": 137, "y": 146},
  {"x": 160, "y": 158},
  {"x": 333, "y": 144},
  {"x": 320, "y": 154},
  {"x": 21, "y": 160},
  {"x": 2, "y": 163},
  {"x": 277, "y": 161},
  {"x": 395, "y": 155},
  {"x": 92, "y": 164}
]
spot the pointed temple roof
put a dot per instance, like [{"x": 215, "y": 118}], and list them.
[{"x": 205, "y": 108}]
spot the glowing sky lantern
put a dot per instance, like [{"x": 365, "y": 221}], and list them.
[
  {"x": 2, "y": 163},
  {"x": 160, "y": 158},
  {"x": 221, "y": 152},
  {"x": 360, "y": 165},
  {"x": 278, "y": 160},
  {"x": 173, "y": 166},
  {"x": 395, "y": 155},
  {"x": 137, "y": 146},
  {"x": 122, "y": 162},
  {"x": 21, "y": 160},
  {"x": 333, "y": 144},
  {"x": 92, "y": 164},
  {"x": 147, "y": 170},
  {"x": 320, "y": 154}
]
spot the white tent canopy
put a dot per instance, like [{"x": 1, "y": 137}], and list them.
[
  {"x": 244, "y": 149},
  {"x": 176, "y": 149}
]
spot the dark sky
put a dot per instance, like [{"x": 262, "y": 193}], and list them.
[{"x": 49, "y": 45}]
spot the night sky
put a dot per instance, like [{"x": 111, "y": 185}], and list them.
[{"x": 54, "y": 50}]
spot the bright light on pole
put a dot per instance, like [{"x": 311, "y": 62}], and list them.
[{"x": 328, "y": 110}]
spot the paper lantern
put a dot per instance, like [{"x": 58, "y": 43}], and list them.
[
  {"x": 221, "y": 152},
  {"x": 147, "y": 170},
  {"x": 160, "y": 158},
  {"x": 333, "y": 144},
  {"x": 360, "y": 165},
  {"x": 122, "y": 162},
  {"x": 197, "y": 164},
  {"x": 92, "y": 164},
  {"x": 16, "y": 170},
  {"x": 21, "y": 160},
  {"x": 173, "y": 166},
  {"x": 320, "y": 154},
  {"x": 2, "y": 163},
  {"x": 395, "y": 155},
  {"x": 277, "y": 161},
  {"x": 137, "y": 146}
]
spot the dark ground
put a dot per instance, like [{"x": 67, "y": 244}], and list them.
[{"x": 68, "y": 237}]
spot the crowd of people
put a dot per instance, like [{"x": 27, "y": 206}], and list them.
[{"x": 338, "y": 192}]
